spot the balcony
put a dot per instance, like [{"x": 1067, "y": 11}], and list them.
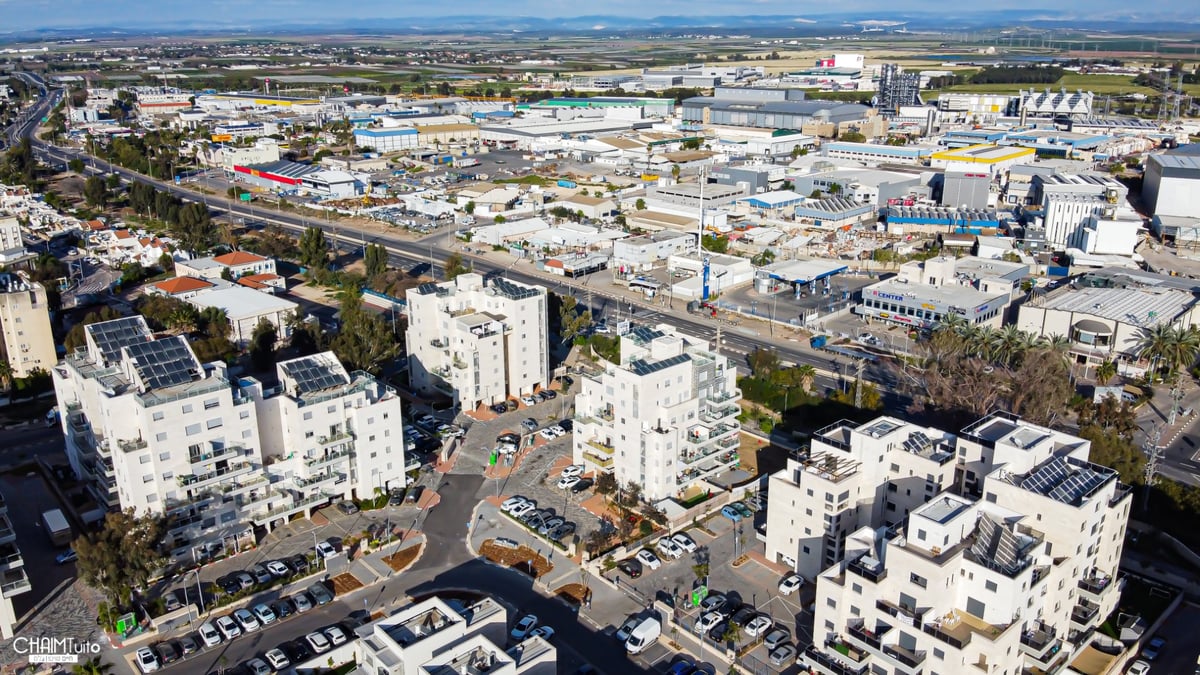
[
  {"x": 199, "y": 480},
  {"x": 10, "y": 557},
  {"x": 14, "y": 582},
  {"x": 459, "y": 363},
  {"x": 3, "y": 505},
  {"x": 1095, "y": 586},
  {"x": 871, "y": 638},
  {"x": 335, "y": 438},
  {"x": 718, "y": 414},
  {"x": 827, "y": 665},
  {"x": 601, "y": 447},
  {"x": 1040, "y": 645},
  {"x": 900, "y": 611},
  {"x": 908, "y": 659},
  {"x": 601, "y": 462},
  {"x": 321, "y": 478},
  {"x": 1084, "y": 613},
  {"x": 935, "y": 629},
  {"x": 195, "y": 457},
  {"x": 868, "y": 567},
  {"x": 327, "y": 458},
  {"x": 264, "y": 517},
  {"x": 7, "y": 534},
  {"x": 439, "y": 343},
  {"x": 725, "y": 396},
  {"x": 132, "y": 445}
]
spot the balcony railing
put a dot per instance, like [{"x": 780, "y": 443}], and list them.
[
  {"x": 858, "y": 631},
  {"x": 875, "y": 571},
  {"x": 897, "y": 610},
  {"x": 10, "y": 557},
  {"x": 602, "y": 462},
  {"x": 198, "y": 480},
  {"x": 905, "y": 656},
  {"x": 937, "y": 632},
  {"x": 601, "y": 447},
  {"x": 314, "y": 480},
  {"x": 1084, "y": 612},
  {"x": 439, "y": 343},
  {"x": 214, "y": 453},
  {"x": 327, "y": 458},
  {"x": 1095, "y": 585},
  {"x": 14, "y": 582},
  {"x": 132, "y": 445},
  {"x": 7, "y": 534},
  {"x": 830, "y": 664},
  {"x": 288, "y": 509}
]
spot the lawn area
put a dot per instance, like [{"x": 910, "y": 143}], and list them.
[{"x": 531, "y": 179}]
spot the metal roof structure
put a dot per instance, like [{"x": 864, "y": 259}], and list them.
[
  {"x": 111, "y": 336},
  {"x": 164, "y": 363},
  {"x": 1140, "y": 307},
  {"x": 314, "y": 373},
  {"x": 641, "y": 367}
]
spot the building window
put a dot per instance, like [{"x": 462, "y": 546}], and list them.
[
  {"x": 990, "y": 585},
  {"x": 187, "y": 409},
  {"x": 148, "y": 478},
  {"x": 164, "y": 456},
  {"x": 211, "y": 403},
  {"x": 192, "y": 429},
  {"x": 158, "y": 416},
  {"x": 215, "y": 423},
  {"x": 917, "y": 579},
  {"x": 308, "y": 415}
]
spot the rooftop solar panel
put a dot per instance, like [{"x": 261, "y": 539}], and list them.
[
  {"x": 513, "y": 291},
  {"x": 646, "y": 367},
  {"x": 111, "y": 336},
  {"x": 313, "y": 374},
  {"x": 164, "y": 363}
]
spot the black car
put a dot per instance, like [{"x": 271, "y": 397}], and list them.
[
  {"x": 298, "y": 562},
  {"x": 414, "y": 494},
  {"x": 347, "y": 507},
  {"x": 230, "y": 584},
  {"x": 396, "y": 497},
  {"x": 284, "y": 608},
  {"x": 632, "y": 568},
  {"x": 566, "y": 425},
  {"x": 562, "y": 531},
  {"x": 717, "y": 634},
  {"x": 548, "y": 394},
  {"x": 582, "y": 485},
  {"x": 499, "y": 408},
  {"x": 744, "y": 615},
  {"x": 167, "y": 652},
  {"x": 566, "y": 381}
]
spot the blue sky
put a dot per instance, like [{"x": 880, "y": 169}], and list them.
[{"x": 224, "y": 14}]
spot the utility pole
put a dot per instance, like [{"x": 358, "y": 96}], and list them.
[
  {"x": 858, "y": 382},
  {"x": 1153, "y": 455},
  {"x": 1176, "y": 397}
]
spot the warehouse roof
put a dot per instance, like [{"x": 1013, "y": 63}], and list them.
[
  {"x": 1174, "y": 161},
  {"x": 1140, "y": 307},
  {"x": 240, "y": 302}
]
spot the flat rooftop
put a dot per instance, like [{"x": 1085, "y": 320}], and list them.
[
  {"x": 1136, "y": 306},
  {"x": 943, "y": 509},
  {"x": 983, "y": 153},
  {"x": 957, "y": 296}
]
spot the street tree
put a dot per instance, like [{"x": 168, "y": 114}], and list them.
[
  {"x": 364, "y": 341},
  {"x": 375, "y": 259},
  {"x": 262, "y": 345},
  {"x": 95, "y": 191},
  {"x": 314, "y": 250},
  {"x": 454, "y": 266},
  {"x": 572, "y": 321},
  {"x": 121, "y": 555}
]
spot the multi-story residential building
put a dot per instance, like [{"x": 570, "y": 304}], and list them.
[
  {"x": 13, "y": 579},
  {"x": 431, "y": 638},
  {"x": 12, "y": 242},
  {"x": 855, "y": 476},
  {"x": 664, "y": 417},
  {"x": 1013, "y": 583},
  {"x": 25, "y": 325},
  {"x": 479, "y": 341},
  {"x": 151, "y": 428}
]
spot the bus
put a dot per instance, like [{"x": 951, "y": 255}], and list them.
[{"x": 649, "y": 287}]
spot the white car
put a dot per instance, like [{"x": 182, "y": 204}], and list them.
[
  {"x": 325, "y": 550},
  {"x": 759, "y": 625},
  {"x": 277, "y": 659},
  {"x": 707, "y": 622},
  {"x": 512, "y": 503},
  {"x": 258, "y": 667},
  {"x": 521, "y": 509},
  {"x": 684, "y": 542},
  {"x": 573, "y": 470},
  {"x": 146, "y": 660},
  {"x": 1138, "y": 667},
  {"x": 544, "y": 632},
  {"x": 336, "y": 635},
  {"x": 557, "y": 430},
  {"x": 523, "y": 627},
  {"x": 318, "y": 642},
  {"x": 209, "y": 635},
  {"x": 790, "y": 584},
  {"x": 228, "y": 627},
  {"x": 567, "y": 482},
  {"x": 246, "y": 620},
  {"x": 278, "y": 569},
  {"x": 528, "y": 400},
  {"x": 547, "y": 434},
  {"x": 668, "y": 548},
  {"x": 264, "y": 614},
  {"x": 648, "y": 559}
]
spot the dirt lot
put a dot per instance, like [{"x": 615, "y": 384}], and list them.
[
  {"x": 575, "y": 594},
  {"x": 522, "y": 559},
  {"x": 401, "y": 559},
  {"x": 344, "y": 583}
]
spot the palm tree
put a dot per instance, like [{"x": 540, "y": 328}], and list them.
[
  {"x": 1105, "y": 372},
  {"x": 1007, "y": 344},
  {"x": 1170, "y": 346},
  {"x": 92, "y": 666},
  {"x": 806, "y": 375}
]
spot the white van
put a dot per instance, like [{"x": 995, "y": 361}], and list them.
[{"x": 643, "y": 636}]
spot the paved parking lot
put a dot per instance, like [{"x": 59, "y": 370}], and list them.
[{"x": 752, "y": 582}]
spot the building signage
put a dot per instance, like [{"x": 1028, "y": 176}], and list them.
[
  {"x": 981, "y": 309},
  {"x": 890, "y": 296},
  {"x": 926, "y": 305}
]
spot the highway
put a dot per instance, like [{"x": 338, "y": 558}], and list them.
[{"x": 739, "y": 340}]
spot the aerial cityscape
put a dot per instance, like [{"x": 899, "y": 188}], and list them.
[{"x": 676, "y": 339}]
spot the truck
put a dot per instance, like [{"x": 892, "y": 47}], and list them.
[
  {"x": 466, "y": 161},
  {"x": 57, "y": 527},
  {"x": 646, "y": 634},
  {"x": 818, "y": 341}
]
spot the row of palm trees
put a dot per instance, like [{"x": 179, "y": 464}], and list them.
[{"x": 1170, "y": 347}]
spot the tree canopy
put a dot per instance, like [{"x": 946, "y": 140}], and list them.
[
  {"x": 363, "y": 341},
  {"x": 121, "y": 556}
]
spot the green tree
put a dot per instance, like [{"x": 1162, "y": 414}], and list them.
[
  {"x": 75, "y": 165},
  {"x": 76, "y": 337},
  {"x": 166, "y": 263},
  {"x": 262, "y": 345},
  {"x": 469, "y": 208},
  {"x": 675, "y": 171},
  {"x": 640, "y": 204},
  {"x": 314, "y": 250},
  {"x": 375, "y": 260},
  {"x": 95, "y": 191},
  {"x": 572, "y": 321},
  {"x": 364, "y": 341},
  {"x": 852, "y": 137},
  {"x": 93, "y": 666},
  {"x": 307, "y": 337},
  {"x": 715, "y": 244},
  {"x": 6, "y": 376},
  {"x": 214, "y": 323},
  {"x": 121, "y": 555},
  {"x": 1105, "y": 372},
  {"x": 454, "y": 266}
]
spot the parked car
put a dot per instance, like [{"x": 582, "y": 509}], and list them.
[
  {"x": 336, "y": 635},
  {"x": 544, "y": 632},
  {"x": 512, "y": 502},
  {"x": 209, "y": 634},
  {"x": 562, "y": 531},
  {"x": 246, "y": 620},
  {"x": 320, "y": 594},
  {"x": 257, "y": 666},
  {"x": 318, "y": 642},
  {"x": 277, "y": 659},
  {"x": 325, "y": 550},
  {"x": 573, "y": 470},
  {"x": 302, "y": 602},
  {"x": 146, "y": 660},
  {"x": 264, "y": 614},
  {"x": 510, "y": 405},
  {"x": 548, "y": 395},
  {"x": 530, "y": 424},
  {"x": 284, "y": 608},
  {"x": 297, "y": 651},
  {"x": 583, "y": 484},
  {"x": 298, "y": 562},
  {"x": 347, "y": 507},
  {"x": 414, "y": 494},
  {"x": 744, "y": 615},
  {"x": 550, "y": 524},
  {"x": 731, "y": 513},
  {"x": 547, "y": 434},
  {"x": 647, "y": 558},
  {"x": 717, "y": 634},
  {"x": 631, "y": 567},
  {"x": 790, "y": 584},
  {"x": 783, "y": 655},
  {"x": 668, "y": 549},
  {"x": 66, "y": 556},
  {"x": 279, "y": 569},
  {"x": 1153, "y": 648},
  {"x": 499, "y": 408},
  {"x": 167, "y": 652},
  {"x": 742, "y": 510},
  {"x": 188, "y": 645},
  {"x": 684, "y": 542},
  {"x": 707, "y": 622},
  {"x": 171, "y": 601},
  {"x": 713, "y": 602},
  {"x": 523, "y": 627},
  {"x": 776, "y": 637},
  {"x": 759, "y": 625},
  {"x": 261, "y": 575},
  {"x": 529, "y": 400},
  {"x": 228, "y": 627},
  {"x": 523, "y": 509},
  {"x": 567, "y": 482},
  {"x": 245, "y": 580},
  {"x": 626, "y": 628}
]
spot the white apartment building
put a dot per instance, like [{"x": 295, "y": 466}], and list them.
[
  {"x": 151, "y": 428},
  {"x": 28, "y": 340},
  {"x": 479, "y": 341},
  {"x": 13, "y": 579},
  {"x": 855, "y": 476},
  {"x": 664, "y": 418},
  {"x": 1012, "y": 583}
]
